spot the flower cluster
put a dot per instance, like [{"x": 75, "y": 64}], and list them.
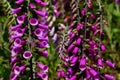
[
  {"x": 83, "y": 58},
  {"x": 28, "y": 32}
]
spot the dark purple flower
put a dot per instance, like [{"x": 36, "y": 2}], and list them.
[
  {"x": 71, "y": 47},
  {"x": 13, "y": 76},
  {"x": 16, "y": 10},
  {"x": 83, "y": 12},
  {"x": 18, "y": 42},
  {"x": 93, "y": 72},
  {"x": 15, "y": 51},
  {"x": 27, "y": 54},
  {"x": 33, "y": 21},
  {"x": 44, "y": 53},
  {"x": 19, "y": 32},
  {"x": 43, "y": 44}
]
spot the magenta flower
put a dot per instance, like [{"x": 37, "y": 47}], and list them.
[
  {"x": 43, "y": 26},
  {"x": 41, "y": 13},
  {"x": 71, "y": 47},
  {"x": 18, "y": 42},
  {"x": 21, "y": 19},
  {"x": 73, "y": 60},
  {"x": 93, "y": 72},
  {"x": 15, "y": 51},
  {"x": 83, "y": 12},
  {"x": 43, "y": 67},
  {"x": 13, "y": 76},
  {"x": 19, "y": 32},
  {"x": 43, "y": 44},
  {"x": 103, "y": 48},
  {"x": 18, "y": 2},
  {"x": 44, "y": 53},
  {"x": 27, "y": 54},
  {"x": 33, "y": 21},
  {"x": 40, "y": 3},
  {"x": 87, "y": 74},
  {"x": 110, "y": 64},
  {"x": 13, "y": 28},
  {"x": 32, "y": 6},
  {"x": 109, "y": 77},
  {"x": 16, "y": 10},
  {"x": 75, "y": 50},
  {"x": 82, "y": 64},
  {"x": 100, "y": 62},
  {"x": 78, "y": 41},
  {"x": 44, "y": 76}
]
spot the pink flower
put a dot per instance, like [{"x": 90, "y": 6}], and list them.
[
  {"x": 33, "y": 21},
  {"x": 27, "y": 54},
  {"x": 16, "y": 10}
]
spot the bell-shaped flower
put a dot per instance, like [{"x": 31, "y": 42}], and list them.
[
  {"x": 82, "y": 63},
  {"x": 18, "y": 2},
  {"x": 83, "y": 12},
  {"x": 13, "y": 28},
  {"x": 13, "y": 76},
  {"x": 43, "y": 67},
  {"x": 93, "y": 72},
  {"x": 33, "y": 21},
  {"x": 39, "y": 32},
  {"x": 18, "y": 42},
  {"x": 73, "y": 60},
  {"x": 19, "y": 32},
  {"x": 87, "y": 74},
  {"x": 110, "y": 64},
  {"x": 44, "y": 53},
  {"x": 41, "y": 13},
  {"x": 100, "y": 62},
  {"x": 103, "y": 48},
  {"x": 16, "y": 10},
  {"x": 15, "y": 51},
  {"x": 78, "y": 41},
  {"x": 43, "y": 76},
  {"x": 32, "y": 6},
  {"x": 27, "y": 54},
  {"x": 71, "y": 47},
  {"x": 43, "y": 26},
  {"x": 43, "y": 44},
  {"x": 41, "y": 3},
  {"x": 75, "y": 50},
  {"x": 80, "y": 26},
  {"x": 21, "y": 19},
  {"x": 109, "y": 77}
]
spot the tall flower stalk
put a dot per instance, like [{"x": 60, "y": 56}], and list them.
[{"x": 29, "y": 39}]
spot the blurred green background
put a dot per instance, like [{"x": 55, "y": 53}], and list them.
[{"x": 111, "y": 27}]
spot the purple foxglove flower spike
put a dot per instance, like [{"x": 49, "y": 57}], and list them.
[
  {"x": 33, "y": 21},
  {"x": 109, "y": 77},
  {"x": 32, "y": 6},
  {"x": 110, "y": 64},
  {"x": 41, "y": 13},
  {"x": 82, "y": 64},
  {"x": 27, "y": 54},
  {"x": 16, "y": 10},
  {"x": 18, "y": 2},
  {"x": 21, "y": 19}
]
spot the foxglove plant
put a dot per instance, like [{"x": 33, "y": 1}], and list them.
[
  {"x": 84, "y": 58},
  {"x": 27, "y": 37}
]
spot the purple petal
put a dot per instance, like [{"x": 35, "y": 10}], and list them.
[
  {"x": 33, "y": 21},
  {"x": 16, "y": 10},
  {"x": 27, "y": 54}
]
